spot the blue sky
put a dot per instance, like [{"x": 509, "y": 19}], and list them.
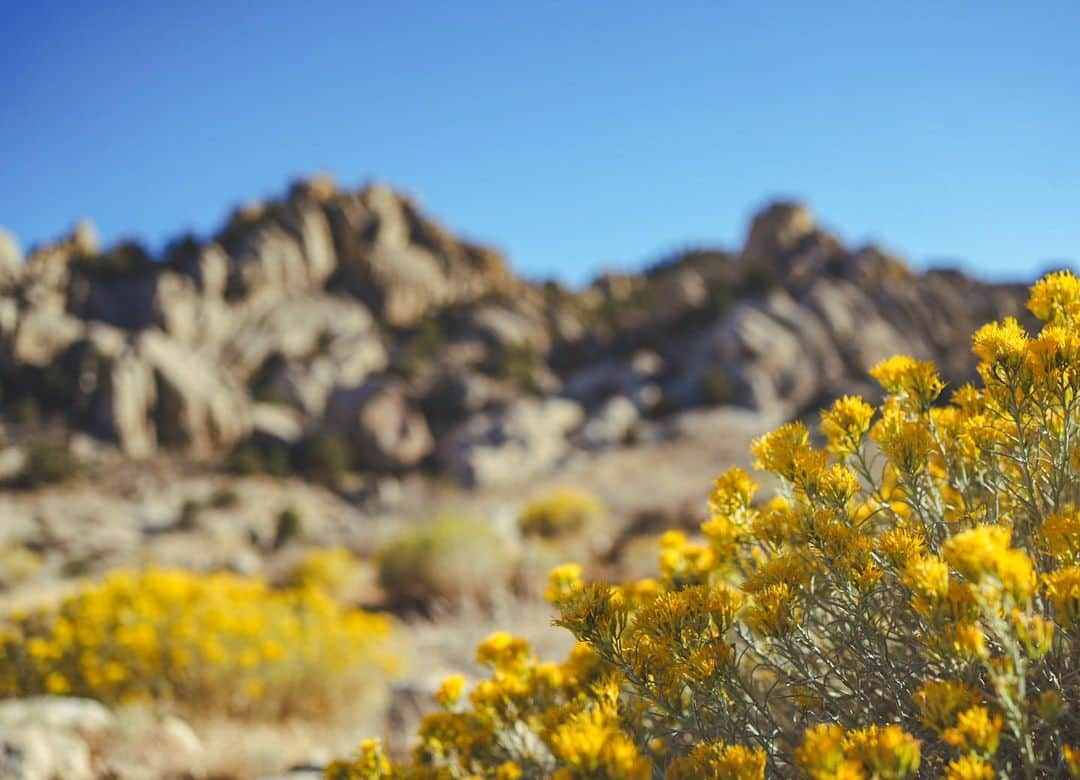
[{"x": 574, "y": 136}]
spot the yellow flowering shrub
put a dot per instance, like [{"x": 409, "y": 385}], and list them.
[
  {"x": 564, "y": 512},
  {"x": 328, "y": 569},
  {"x": 218, "y": 642},
  {"x": 906, "y": 605}
]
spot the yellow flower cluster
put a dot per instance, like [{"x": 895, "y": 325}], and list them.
[
  {"x": 906, "y": 605},
  {"x": 564, "y": 512},
  {"x": 327, "y": 568},
  {"x": 830, "y": 753},
  {"x": 215, "y": 642}
]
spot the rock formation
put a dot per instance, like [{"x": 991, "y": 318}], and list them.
[{"x": 352, "y": 314}]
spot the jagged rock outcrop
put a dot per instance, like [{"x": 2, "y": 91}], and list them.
[
  {"x": 352, "y": 313},
  {"x": 388, "y": 433},
  {"x": 511, "y": 444}
]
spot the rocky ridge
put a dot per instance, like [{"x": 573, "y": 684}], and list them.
[{"x": 352, "y": 316}]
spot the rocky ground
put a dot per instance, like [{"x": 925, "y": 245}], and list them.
[{"x": 339, "y": 358}]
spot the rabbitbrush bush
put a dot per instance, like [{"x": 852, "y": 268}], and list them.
[
  {"x": 561, "y": 513},
  {"x": 907, "y": 605},
  {"x": 215, "y": 644}
]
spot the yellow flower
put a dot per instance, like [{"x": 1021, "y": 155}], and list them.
[
  {"x": 1054, "y": 355},
  {"x": 684, "y": 563},
  {"x": 837, "y": 485},
  {"x": 969, "y": 768},
  {"x": 906, "y": 442},
  {"x": 901, "y": 546},
  {"x": 1063, "y": 588},
  {"x": 56, "y": 683},
  {"x": 1071, "y": 755},
  {"x": 887, "y": 751},
  {"x": 502, "y": 650},
  {"x": 915, "y": 380},
  {"x": 822, "y": 750},
  {"x": 508, "y": 770},
  {"x": 984, "y": 552},
  {"x": 976, "y": 731},
  {"x": 732, "y": 491},
  {"x": 1060, "y": 536},
  {"x": 717, "y": 760},
  {"x": 1056, "y": 297},
  {"x": 1002, "y": 342},
  {"x": 450, "y": 691},
  {"x": 845, "y": 424},
  {"x": 370, "y": 762},
  {"x": 786, "y": 452},
  {"x": 940, "y": 701},
  {"x": 564, "y": 512},
  {"x": 198, "y": 640},
  {"x": 592, "y": 744},
  {"x": 967, "y": 640},
  {"x": 562, "y": 581},
  {"x": 775, "y": 610},
  {"x": 928, "y": 577}
]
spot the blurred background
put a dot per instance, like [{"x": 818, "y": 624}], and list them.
[{"x": 399, "y": 308}]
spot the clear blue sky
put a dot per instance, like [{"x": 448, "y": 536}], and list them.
[{"x": 574, "y": 135}]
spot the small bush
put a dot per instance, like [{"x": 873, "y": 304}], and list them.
[
  {"x": 518, "y": 365},
  {"x": 245, "y": 460},
  {"x": 17, "y": 564},
  {"x": 187, "y": 518},
  {"x": 449, "y": 561},
  {"x": 216, "y": 643},
  {"x": 276, "y": 461},
  {"x": 421, "y": 349},
  {"x": 249, "y": 458},
  {"x": 325, "y": 457},
  {"x": 223, "y": 497},
  {"x": 564, "y": 513},
  {"x": 287, "y": 526},
  {"x": 49, "y": 461},
  {"x": 329, "y": 569}
]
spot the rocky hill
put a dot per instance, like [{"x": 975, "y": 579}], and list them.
[{"x": 345, "y": 328}]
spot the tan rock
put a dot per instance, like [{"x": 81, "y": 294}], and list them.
[{"x": 387, "y": 431}]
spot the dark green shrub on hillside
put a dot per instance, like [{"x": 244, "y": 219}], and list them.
[
  {"x": 288, "y": 526},
  {"x": 518, "y": 365},
  {"x": 49, "y": 461},
  {"x": 250, "y": 457},
  {"x": 324, "y": 457}
]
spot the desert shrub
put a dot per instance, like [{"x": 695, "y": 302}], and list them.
[
  {"x": 329, "y": 569},
  {"x": 187, "y": 519},
  {"x": 325, "y": 457},
  {"x": 421, "y": 348},
  {"x": 224, "y": 497},
  {"x": 288, "y": 525},
  {"x": 517, "y": 364},
  {"x": 215, "y": 643},
  {"x": 17, "y": 564},
  {"x": 564, "y": 512},
  {"x": 906, "y": 605},
  {"x": 445, "y": 562},
  {"x": 49, "y": 461},
  {"x": 245, "y": 459},
  {"x": 249, "y": 457}
]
